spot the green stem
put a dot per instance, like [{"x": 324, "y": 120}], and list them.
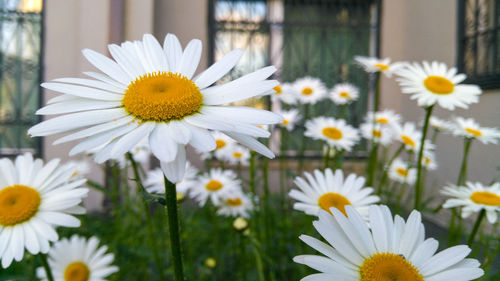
[
  {"x": 251, "y": 181},
  {"x": 149, "y": 220},
  {"x": 434, "y": 136},
  {"x": 327, "y": 157},
  {"x": 173, "y": 228},
  {"x": 476, "y": 227},
  {"x": 377, "y": 92},
  {"x": 304, "y": 140},
  {"x": 372, "y": 164},
  {"x": 242, "y": 257},
  {"x": 386, "y": 169},
  {"x": 462, "y": 176},
  {"x": 282, "y": 162},
  {"x": 45, "y": 264},
  {"x": 418, "y": 184}
]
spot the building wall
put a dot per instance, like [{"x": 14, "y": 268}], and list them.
[{"x": 426, "y": 30}]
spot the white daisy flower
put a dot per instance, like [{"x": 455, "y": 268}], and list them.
[
  {"x": 428, "y": 160},
  {"x": 440, "y": 124},
  {"x": 214, "y": 185},
  {"x": 222, "y": 142},
  {"x": 79, "y": 259},
  {"x": 236, "y": 154},
  {"x": 140, "y": 152},
  {"x": 399, "y": 171},
  {"x": 155, "y": 183},
  {"x": 385, "y": 117},
  {"x": 474, "y": 197},
  {"x": 435, "y": 83},
  {"x": 284, "y": 93},
  {"x": 309, "y": 90},
  {"x": 344, "y": 93},
  {"x": 149, "y": 91},
  {"x": 335, "y": 132},
  {"x": 390, "y": 249},
  {"x": 82, "y": 167},
  {"x": 290, "y": 118},
  {"x": 409, "y": 136},
  {"x": 235, "y": 204},
  {"x": 326, "y": 190},
  {"x": 376, "y": 133},
  {"x": 372, "y": 65},
  {"x": 34, "y": 200},
  {"x": 470, "y": 129}
]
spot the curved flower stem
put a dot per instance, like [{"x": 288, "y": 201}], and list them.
[
  {"x": 46, "y": 267},
  {"x": 476, "y": 227},
  {"x": 462, "y": 176},
  {"x": 386, "y": 169},
  {"x": 173, "y": 228},
  {"x": 418, "y": 183},
  {"x": 327, "y": 157},
  {"x": 242, "y": 257},
  {"x": 376, "y": 100},
  {"x": 149, "y": 220}
]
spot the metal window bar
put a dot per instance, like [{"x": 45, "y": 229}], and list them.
[
  {"x": 21, "y": 42},
  {"x": 478, "y": 45},
  {"x": 283, "y": 26}
]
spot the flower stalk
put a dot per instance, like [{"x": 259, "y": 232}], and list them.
[
  {"x": 475, "y": 228},
  {"x": 173, "y": 228},
  {"x": 419, "y": 185},
  {"x": 46, "y": 267}
]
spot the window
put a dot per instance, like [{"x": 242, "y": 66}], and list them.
[
  {"x": 20, "y": 74},
  {"x": 302, "y": 38},
  {"x": 478, "y": 42}
]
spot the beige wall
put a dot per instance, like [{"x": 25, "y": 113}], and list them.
[
  {"x": 426, "y": 30},
  {"x": 71, "y": 26}
]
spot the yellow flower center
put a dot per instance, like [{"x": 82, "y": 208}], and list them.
[
  {"x": 388, "y": 267},
  {"x": 213, "y": 185},
  {"x": 439, "y": 85},
  {"x": 307, "y": 91},
  {"x": 220, "y": 144},
  {"x": 332, "y": 133},
  {"x": 377, "y": 133},
  {"x": 382, "y": 66},
  {"x": 285, "y": 122},
  {"x": 18, "y": 203},
  {"x": 382, "y": 120},
  {"x": 77, "y": 271},
  {"x": 402, "y": 172},
  {"x": 427, "y": 160},
  {"x": 485, "y": 198},
  {"x": 234, "y": 202},
  {"x": 278, "y": 90},
  {"x": 345, "y": 95},
  {"x": 162, "y": 96},
  {"x": 331, "y": 199},
  {"x": 474, "y": 132},
  {"x": 408, "y": 141},
  {"x": 237, "y": 154}
]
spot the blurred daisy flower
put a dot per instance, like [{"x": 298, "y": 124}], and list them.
[
  {"x": 344, "y": 93},
  {"x": 429, "y": 160},
  {"x": 400, "y": 172},
  {"x": 235, "y": 204},
  {"x": 470, "y": 129},
  {"x": 323, "y": 191},
  {"x": 385, "y": 117},
  {"x": 290, "y": 118},
  {"x": 155, "y": 182},
  {"x": 284, "y": 93},
  {"x": 34, "y": 200},
  {"x": 409, "y": 136},
  {"x": 214, "y": 185},
  {"x": 335, "y": 132},
  {"x": 440, "y": 124},
  {"x": 376, "y": 133},
  {"x": 432, "y": 83},
  {"x": 372, "y": 65},
  {"x": 149, "y": 91},
  {"x": 79, "y": 259},
  {"x": 390, "y": 249},
  {"x": 236, "y": 154},
  {"x": 82, "y": 167},
  {"x": 309, "y": 90},
  {"x": 474, "y": 197}
]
